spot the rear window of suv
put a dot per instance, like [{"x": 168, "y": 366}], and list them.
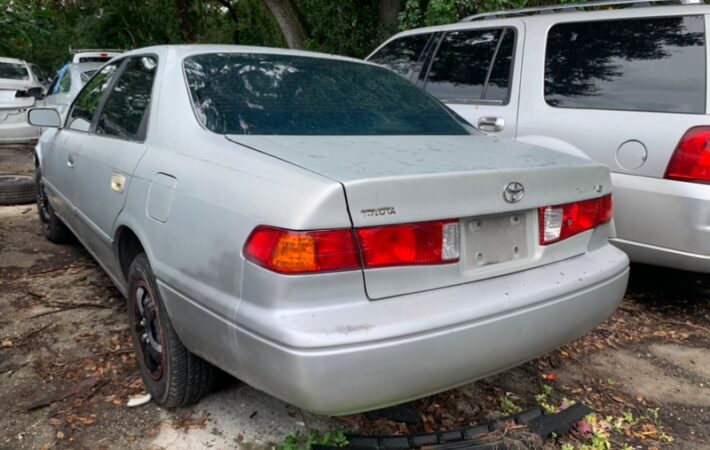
[{"x": 649, "y": 64}]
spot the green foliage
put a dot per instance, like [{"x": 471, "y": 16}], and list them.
[
  {"x": 300, "y": 441},
  {"x": 344, "y": 27},
  {"x": 508, "y": 406}
]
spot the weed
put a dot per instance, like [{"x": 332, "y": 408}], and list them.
[
  {"x": 300, "y": 441},
  {"x": 508, "y": 407}
]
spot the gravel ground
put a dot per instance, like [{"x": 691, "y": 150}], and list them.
[{"x": 67, "y": 367}]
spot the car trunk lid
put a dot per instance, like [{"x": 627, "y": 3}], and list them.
[{"x": 402, "y": 179}]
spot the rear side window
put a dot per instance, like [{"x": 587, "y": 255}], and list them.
[
  {"x": 402, "y": 55},
  {"x": 650, "y": 64},
  {"x": 473, "y": 65},
  {"x": 125, "y": 113},
  {"x": 87, "y": 102}
]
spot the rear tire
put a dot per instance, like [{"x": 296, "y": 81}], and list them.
[
  {"x": 173, "y": 376},
  {"x": 52, "y": 227}
]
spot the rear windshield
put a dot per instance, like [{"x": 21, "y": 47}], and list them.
[
  {"x": 87, "y": 74},
  {"x": 236, "y": 93},
  {"x": 13, "y": 71}
]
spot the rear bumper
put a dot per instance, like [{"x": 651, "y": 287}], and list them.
[
  {"x": 528, "y": 314},
  {"x": 663, "y": 222},
  {"x": 15, "y": 129}
]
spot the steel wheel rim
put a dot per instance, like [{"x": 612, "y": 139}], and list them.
[{"x": 147, "y": 329}]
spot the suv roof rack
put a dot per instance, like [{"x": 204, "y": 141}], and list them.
[{"x": 574, "y": 7}]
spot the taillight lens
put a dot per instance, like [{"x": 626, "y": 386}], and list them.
[
  {"x": 562, "y": 221},
  {"x": 294, "y": 252},
  {"x": 410, "y": 244},
  {"x": 299, "y": 252},
  {"x": 691, "y": 159}
]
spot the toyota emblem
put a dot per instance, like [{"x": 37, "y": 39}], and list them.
[{"x": 514, "y": 192}]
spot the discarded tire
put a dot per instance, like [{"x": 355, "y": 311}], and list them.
[{"x": 16, "y": 189}]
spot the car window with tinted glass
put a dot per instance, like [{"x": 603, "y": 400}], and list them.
[
  {"x": 402, "y": 55},
  {"x": 88, "y": 100},
  {"x": 125, "y": 112},
  {"x": 276, "y": 94},
  {"x": 461, "y": 70},
  {"x": 649, "y": 64}
]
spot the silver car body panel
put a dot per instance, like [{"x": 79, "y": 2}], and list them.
[
  {"x": 657, "y": 221},
  {"x": 192, "y": 197}
]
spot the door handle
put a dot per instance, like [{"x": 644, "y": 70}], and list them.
[
  {"x": 70, "y": 162},
  {"x": 491, "y": 124}
]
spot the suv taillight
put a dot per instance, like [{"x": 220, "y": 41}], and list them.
[
  {"x": 300, "y": 252},
  {"x": 563, "y": 221},
  {"x": 691, "y": 159}
]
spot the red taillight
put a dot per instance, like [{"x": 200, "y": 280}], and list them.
[
  {"x": 410, "y": 244},
  {"x": 293, "y": 252},
  {"x": 562, "y": 221},
  {"x": 296, "y": 252},
  {"x": 691, "y": 159}
]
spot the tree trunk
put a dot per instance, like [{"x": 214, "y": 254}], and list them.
[
  {"x": 187, "y": 28},
  {"x": 388, "y": 15},
  {"x": 290, "y": 22}
]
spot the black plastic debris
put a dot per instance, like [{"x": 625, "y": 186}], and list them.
[{"x": 479, "y": 437}]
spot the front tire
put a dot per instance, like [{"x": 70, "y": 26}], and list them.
[
  {"x": 173, "y": 376},
  {"x": 52, "y": 228}
]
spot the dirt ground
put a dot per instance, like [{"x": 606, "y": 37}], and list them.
[{"x": 67, "y": 367}]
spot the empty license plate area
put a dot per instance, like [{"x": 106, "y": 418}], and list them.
[{"x": 496, "y": 239}]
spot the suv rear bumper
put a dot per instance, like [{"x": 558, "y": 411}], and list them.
[
  {"x": 561, "y": 302},
  {"x": 663, "y": 222}
]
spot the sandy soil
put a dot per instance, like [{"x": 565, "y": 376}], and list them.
[{"x": 67, "y": 367}]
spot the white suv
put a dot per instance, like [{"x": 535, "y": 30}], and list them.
[{"x": 624, "y": 83}]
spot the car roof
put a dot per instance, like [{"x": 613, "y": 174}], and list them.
[
  {"x": 12, "y": 60},
  {"x": 568, "y": 15},
  {"x": 183, "y": 51}
]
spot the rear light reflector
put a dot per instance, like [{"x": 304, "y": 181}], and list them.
[
  {"x": 294, "y": 252},
  {"x": 563, "y": 221},
  {"x": 691, "y": 158},
  {"x": 300, "y": 252},
  {"x": 410, "y": 244}
]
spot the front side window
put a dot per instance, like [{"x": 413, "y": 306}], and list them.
[
  {"x": 125, "y": 113},
  {"x": 472, "y": 65},
  {"x": 402, "y": 55},
  {"x": 86, "y": 103},
  {"x": 235, "y": 93},
  {"x": 650, "y": 64},
  {"x": 13, "y": 71}
]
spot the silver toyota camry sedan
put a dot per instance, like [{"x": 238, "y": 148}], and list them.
[{"x": 319, "y": 227}]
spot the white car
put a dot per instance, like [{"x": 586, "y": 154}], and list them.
[{"x": 20, "y": 88}]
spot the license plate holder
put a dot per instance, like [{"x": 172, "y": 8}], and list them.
[{"x": 496, "y": 239}]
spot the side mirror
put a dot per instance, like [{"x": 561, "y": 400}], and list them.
[
  {"x": 36, "y": 92},
  {"x": 44, "y": 117}
]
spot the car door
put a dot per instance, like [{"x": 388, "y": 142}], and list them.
[
  {"x": 111, "y": 151},
  {"x": 475, "y": 71},
  {"x": 59, "y": 163}
]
